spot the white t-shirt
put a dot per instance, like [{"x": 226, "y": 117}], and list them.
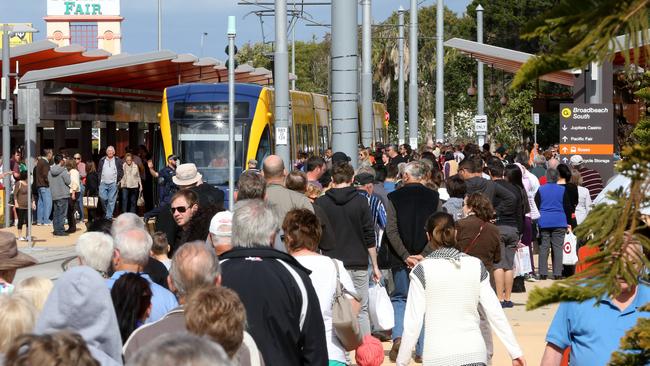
[{"x": 323, "y": 278}]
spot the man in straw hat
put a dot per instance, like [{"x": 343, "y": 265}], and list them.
[{"x": 11, "y": 260}]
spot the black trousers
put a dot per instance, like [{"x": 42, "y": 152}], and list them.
[{"x": 72, "y": 223}]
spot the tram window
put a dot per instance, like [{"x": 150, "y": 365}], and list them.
[{"x": 264, "y": 148}]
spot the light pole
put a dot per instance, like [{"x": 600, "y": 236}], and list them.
[
  {"x": 159, "y": 25},
  {"x": 7, "y": 119},
  {"x": 400, "y": 78},
  {"x": 481, "y": 101},
  {"x": 440, "y": 73},
  {"x": 366, "y": 76},
  {"x": 203, "y": 36},
  {"x": 413, "y": 79},
  {"x": 231, "y": 111}
]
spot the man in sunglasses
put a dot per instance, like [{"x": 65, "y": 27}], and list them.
[{"x": 166, "y": 185}]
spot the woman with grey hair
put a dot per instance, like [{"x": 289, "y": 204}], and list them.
[{"x": 552, "y": 223}]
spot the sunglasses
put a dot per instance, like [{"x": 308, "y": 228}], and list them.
[
  {"x": 77, "y": 158},
  {"x": 180, "y": 209},
  {"x": 282, "y": 237}
]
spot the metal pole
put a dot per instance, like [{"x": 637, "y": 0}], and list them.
[
  {"x": 231, "y": 111},
  {"x": 345, "y": 115},
  {"x": 6, "y": 120},
  {"x": 400, "y": 78},
  {"x": 30, "y": 178},
  {"x": 281, "y": 80},
  {"x": 480, "y": 100},
  {"x": 479, "y": 39},
  {"x": 159, "y": 25},
  {"x": 366, "y": 76},
  {"x": 293, "y": 56},
  {"x": 440, "y": 74},
  {"x": 203, "y": 35},
  {"x": 413, "y": 78}
]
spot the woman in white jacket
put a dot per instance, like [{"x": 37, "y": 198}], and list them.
[
  {"x": 584, "y": 199},
  {"x": 448, "y": 286}
]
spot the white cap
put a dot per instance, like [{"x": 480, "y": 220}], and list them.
[{"x": 221, "y": 224}]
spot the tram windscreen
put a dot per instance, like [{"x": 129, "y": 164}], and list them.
[{"x": 205, "y": 143}]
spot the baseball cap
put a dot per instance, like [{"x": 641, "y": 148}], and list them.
[
  {"x": 172, "y": 157},
  {"x": 363, "y": 179},
  {"x": 221, "y": 224},
  {"x": 576, "y": 160},
  {"x": 501, "y": 150}
]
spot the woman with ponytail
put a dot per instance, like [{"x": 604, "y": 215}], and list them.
[{"x": 448, "y": 286}]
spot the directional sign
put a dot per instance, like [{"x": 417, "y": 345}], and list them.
[
  {"x": 588, "y": 130},
  {"x": 480, "y": 124},
  {"x": 536, "y": 118}
]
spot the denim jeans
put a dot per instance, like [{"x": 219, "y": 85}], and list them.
[
  {"x": 398, "y": 298},
  {"x": 552, "y": 238},
  {"x": 130, "y": 199},
  {"x": 44, "y": 206},
  {"x": 80, "y": 202},
  {"x": 360, "y": 281},
  {"x": 108, "y": 195},
  {"x": 60, "y": 212}
]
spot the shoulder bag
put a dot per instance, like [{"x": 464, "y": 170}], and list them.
[{"x": 344, "y": 322}]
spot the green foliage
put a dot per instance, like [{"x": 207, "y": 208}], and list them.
[
  {"x": 582, "y": 31},
  {"x": 642, "y": 132},
  {"x": 638, "y": 339}
]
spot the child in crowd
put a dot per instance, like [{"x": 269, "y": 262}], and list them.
[{"x": 160, "y": 249}]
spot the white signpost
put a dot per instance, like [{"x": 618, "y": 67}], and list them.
[{"x": 480, "y": 128}]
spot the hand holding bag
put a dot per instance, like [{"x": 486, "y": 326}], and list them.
[
  {"x": 344, "y": 322},
  {"x": 380, "y": 308},
  {"x": 140, "y": 202},
  {"x": 570, "y": 249}
]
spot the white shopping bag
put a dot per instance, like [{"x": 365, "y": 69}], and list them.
[
  {"x": 570, "y": 249},
  {"x": 380, "y": 308},
  {"x": 522, "y": 261}
]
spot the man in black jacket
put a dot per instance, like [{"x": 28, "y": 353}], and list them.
[
  {"x": 350, "y": 216},
  {"x": 282, "y": 308},
  {"x": 407, "y": 212}
]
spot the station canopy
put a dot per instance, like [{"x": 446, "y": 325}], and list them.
[
  {"x": 46, "y": 54},
  {"x": 505, "y": 59},
  {"x": 150, "y": 72},
  {"x": 511, "y": 61}
]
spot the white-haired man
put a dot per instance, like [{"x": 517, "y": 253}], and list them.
[
  {"x": 274, "y": 281},
  {"x": 154, "y": 268},
  {"x": 110, "y": 172},
  {"x": 131, "y": 254},
  {"x": 95, "y": 250}
]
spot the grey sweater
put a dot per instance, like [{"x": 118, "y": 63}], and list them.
[{"x": 59, "y": 180}]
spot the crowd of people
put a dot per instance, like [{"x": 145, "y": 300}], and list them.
[{"x": 439, "y": 227}]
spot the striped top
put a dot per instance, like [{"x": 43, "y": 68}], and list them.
[{"x": 591, "y": 180}]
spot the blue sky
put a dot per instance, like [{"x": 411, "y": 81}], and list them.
[{"x": 185, "y": 20}]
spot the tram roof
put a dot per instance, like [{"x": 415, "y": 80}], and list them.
[
  {"x": 46, "y": 54},
  {"x": 504, "y": 59},
  {"x": 151, "y": 71}
]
